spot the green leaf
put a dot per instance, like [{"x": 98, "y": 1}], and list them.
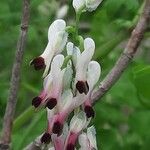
[{"x": 141, "y": 77}]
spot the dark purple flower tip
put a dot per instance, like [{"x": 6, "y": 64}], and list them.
[
  {"x": 38, "y": 63},
  {"x": 36, "y": 101},
  {"x": 89, "y": 111},
  {"x": 82, "y": 87},
  {"x": 57, "y": 128},
  {"x": 46, "y": 138},
  {"x": 70, "y": 147},
  {"x": 52, "y": 102}
]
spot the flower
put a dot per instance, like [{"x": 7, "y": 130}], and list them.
[
  {"x": 87, "y": 140},
  {"x": 78, "y": 5},
  {"x": 57, "y": 38},
  {"x": 65, "y": 106},
  {"x": 93, "y": 74},
  {"x": 77, "y": 124},
  {"x": 88, "y": 5},
  {"x": 52, "y": 85}
]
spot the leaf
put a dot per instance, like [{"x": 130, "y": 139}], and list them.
[{"x": 141, "y": 77}]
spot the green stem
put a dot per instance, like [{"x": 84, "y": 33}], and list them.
[{"x": 23, "y": 118}]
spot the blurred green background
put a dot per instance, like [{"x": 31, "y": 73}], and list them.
[{"x": 123, "y": 116}]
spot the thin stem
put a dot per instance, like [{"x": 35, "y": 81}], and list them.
[
  {"x": 15, "y": 79},
  {"x": 126, "y": 56}
]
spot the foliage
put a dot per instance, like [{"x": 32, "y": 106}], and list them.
[{"x": 122, "y": 119}]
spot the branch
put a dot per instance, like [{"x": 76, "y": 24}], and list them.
[
  {"x": 15, "y": 79},
  {"x": 126, "y": 56}
]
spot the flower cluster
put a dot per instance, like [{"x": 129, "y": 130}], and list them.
[{"x": 68, "y": 84}]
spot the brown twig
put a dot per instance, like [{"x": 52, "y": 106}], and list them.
[
  {"x": 15, "y": 79},
  {"x": 126, "y": 56}
]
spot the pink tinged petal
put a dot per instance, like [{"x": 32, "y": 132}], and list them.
[
  {"x": 93, "y": 74},
  {"x": 46, "y": 138},
  {"x": 58, "y": 142},
  {"x": 58, "y": 124},
  {"x": 71, "y": 141},
  {"x": 37, "y": 101},
  {"x": 91, "y": 134},
  {"x": 84, "y": 59},
  {"x": 38, "y": 63},
  {"x": 54, "y": 81}
]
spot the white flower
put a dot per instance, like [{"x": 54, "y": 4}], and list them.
[
  {"x": 84, "y": 59},
  {"x": 78, "y": 5},
  {"x": 92, "y": 4},
  {"x": 87, "y": 140},
  {"x": 81, "y": 67},
  {"x": 89, "y": 5},
  {"x": 57, "y": 38},
  {"x": 53, "y": 83}
]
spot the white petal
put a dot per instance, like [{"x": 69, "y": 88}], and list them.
[
  {"x": 83, "y": 141},
  {"x": 84, "y": 59},
  {"x": 89, "y": 44},
  {"x": 70, "y": 48},
  {"x": 57, "y": 76},
  {"x": 47, "y": 84},
  {"x": 78, "y": 122},
  {"x": 93, "y": 74},
  {"x": 91, "y": 133},
  {"x": 67, "y": 78},
  {"x": 78, "y": 5},
  {"x": 74, "y": 51},
  {"x": 92, "y": 4},
  {"x": 50, "y": 114},
  {"x": 78, "y": 100},
  {"x": 57, "y": 26},
  {"x": 66, "y": 100},
  {"x": 57, "y": 63}
]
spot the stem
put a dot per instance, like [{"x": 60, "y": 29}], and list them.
[
  {"x": 15, "y": 79},
  {"x": 126, "y": 56},
  {"x": 23, "y": 118}
]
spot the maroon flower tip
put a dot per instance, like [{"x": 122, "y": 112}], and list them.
[
  {"x": 46, "y": 138},
  {"x": 70, "y": 147},
  {"x": 52, "y": 102},
  {"x": 38, "y": 63},
  {"x": 57, "y": 128},
  {"x": 89, "y": 111},
  {"x": 82, "y": 87},
  {"x": 36, "y": 101}
]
